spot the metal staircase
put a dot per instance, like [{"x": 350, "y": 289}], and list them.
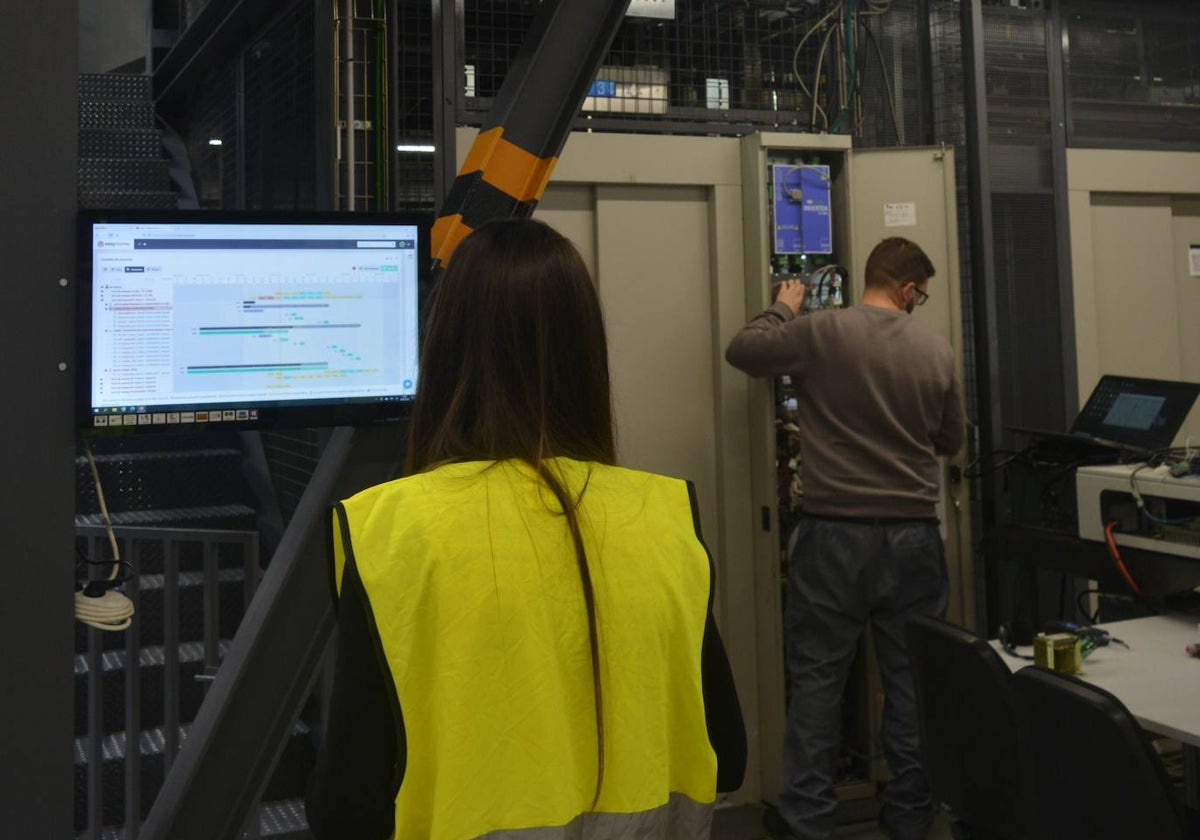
[
  {"x": 121, "y": 158},
  {"x": 188, "y": 514}
]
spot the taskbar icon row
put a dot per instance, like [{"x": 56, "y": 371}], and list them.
[{"x": 171, "y": 418}]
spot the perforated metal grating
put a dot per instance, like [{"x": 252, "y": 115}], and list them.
[
  {"x": 280, "y": 114},
  {"x": 722, "y": 67},
  {"x": 120, "y": 156},
  {"x": 212, "y": 138},
  {"x": 950, "y": 127},
  {"x": 412, "y": 104},
  {"x": 1024, "y": 233},
  {"x": 1133, "y": 73}
]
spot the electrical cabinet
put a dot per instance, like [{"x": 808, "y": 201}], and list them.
[
  {"x": 677, "y": 231},
  {"x": 868, "y": 195}
]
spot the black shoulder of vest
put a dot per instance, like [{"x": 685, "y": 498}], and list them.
[
  {"x": 340, "y": 533},
  {"x": 694, "y": 501}
]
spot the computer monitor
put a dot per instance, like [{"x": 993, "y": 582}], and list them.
[{"x": 193, "y": 320}]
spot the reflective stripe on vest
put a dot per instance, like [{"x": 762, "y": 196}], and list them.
[
  {"x": 473, "y": 583},
  {"x": 679, "y": 818}
]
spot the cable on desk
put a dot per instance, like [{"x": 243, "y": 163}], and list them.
[
  {"x": 1008, "y": 645},
  {"x": 1116, "y": 556}
]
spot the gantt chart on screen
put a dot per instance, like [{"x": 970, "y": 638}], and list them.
[{"x": 193, "y": 314}]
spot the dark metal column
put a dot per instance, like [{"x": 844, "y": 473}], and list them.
[
  {"x": 38, "y": 168},
  {"x": 983, "y": 274},
  {"x": 1056, "y": 50},
  {"x": 447, "y": 88},
  {"x": 323, "y": 196},
  {"x": 926, "y": 125}
]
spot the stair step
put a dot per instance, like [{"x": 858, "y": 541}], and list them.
[
  {"x": 158, "y": 455},
  {"x": 151, "y": 742},
  {"x": 148, "y": 657},
  {"x": 172, "y": 515},
  {"x": 286, "y": 784},
  {"x": 284, "y": 818},
  {"x": 143, "y": 143},
  {"x": 162, "y": 480},
  {"x": 97, "y": 112},
  {"x": 122, "y": 174},
  {"x": 126, "y": 200},
  {"x": 113, "y": 86}
]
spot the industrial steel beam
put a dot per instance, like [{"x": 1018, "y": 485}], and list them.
[
  {"x": 509, "y": 165},
  {"x": 983, "y": 270},
  {"x": 220, "y": 28}
]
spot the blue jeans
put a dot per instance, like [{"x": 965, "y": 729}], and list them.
[{"x": 842, "y": 574}]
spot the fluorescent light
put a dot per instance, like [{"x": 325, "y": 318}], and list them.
[
  {"x": 214, "y": 142},
  {"x": 413, "y": 147}
]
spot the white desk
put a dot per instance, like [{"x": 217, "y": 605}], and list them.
[{"x": 1155, "y": 677}]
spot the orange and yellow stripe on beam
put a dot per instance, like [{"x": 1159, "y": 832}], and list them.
[{"x": 498, "y": 179}]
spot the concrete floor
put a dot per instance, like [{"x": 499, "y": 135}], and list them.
[{"x": 744, "y": 822}]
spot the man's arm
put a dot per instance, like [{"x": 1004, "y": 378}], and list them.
[
  {"x": 767, "y": 345},
  {"x": 949, "y": 437}
]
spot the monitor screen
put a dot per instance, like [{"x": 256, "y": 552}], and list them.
[
  {"x": 195, "y": 320},
  {"x": 1136, "y": 412}
]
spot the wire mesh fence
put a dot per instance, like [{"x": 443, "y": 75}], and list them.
[
  {"x": 1133, "y": 74},
  {"x": 727, "y": 67}
]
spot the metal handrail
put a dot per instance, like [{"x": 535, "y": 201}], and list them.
[{"x": 133, "y": 542}]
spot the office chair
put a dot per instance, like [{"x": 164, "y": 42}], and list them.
[
  {"x": 968, "y": 729},
  {"x": 1088, "y": 771}
]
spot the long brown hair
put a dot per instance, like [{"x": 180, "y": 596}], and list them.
[{"x": 514, "y": 365}]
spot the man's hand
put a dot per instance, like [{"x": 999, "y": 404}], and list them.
[{"x": 791, "y": 295}]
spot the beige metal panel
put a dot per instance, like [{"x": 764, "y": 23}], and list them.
[
  {"x": 1111, "y": 170},
  {"x": 647, "y": 159},
  {"x": 656, "y": 292},
  {"x": 1185, "y": 215},
  {"x": 658, "y": 220},
  {"x": 570, "y": 209},
  {"x": 1132, "y": 213},
  {"x": 915, "y": 177},
  {"x": 922, "y": 181},
  {"x": 1135, "y": 286}
]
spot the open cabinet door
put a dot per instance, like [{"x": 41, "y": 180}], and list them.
[{"x": 910, "y": 192}]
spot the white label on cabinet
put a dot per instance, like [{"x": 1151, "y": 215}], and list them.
[
  {"x": 1194, "y": 260},
  {"x": 901, "y": 214}
]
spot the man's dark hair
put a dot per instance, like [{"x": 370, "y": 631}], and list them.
[{"x": 896, "y": 261}]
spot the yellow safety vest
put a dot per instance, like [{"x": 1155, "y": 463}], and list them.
[{"x": 472, "y": 579}]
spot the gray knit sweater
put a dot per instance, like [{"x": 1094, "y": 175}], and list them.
[{"x": 878, "y": 402}]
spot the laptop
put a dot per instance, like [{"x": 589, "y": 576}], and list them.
[{"x": 1128, "y": 412}]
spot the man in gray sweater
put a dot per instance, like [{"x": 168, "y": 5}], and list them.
[{"x": 878, "y": 403}]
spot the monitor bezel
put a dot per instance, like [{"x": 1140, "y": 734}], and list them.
[{"x": 281, "y": 415}]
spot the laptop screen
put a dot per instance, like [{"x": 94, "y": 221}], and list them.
[{"x": 1134, "y": 412}]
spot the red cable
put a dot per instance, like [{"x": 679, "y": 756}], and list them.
[{"x": 1116, "y": 556}]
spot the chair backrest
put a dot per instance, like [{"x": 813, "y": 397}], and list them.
[
  {"x": 1089, "y": 770},
  {"x": 967, "y": 726}
]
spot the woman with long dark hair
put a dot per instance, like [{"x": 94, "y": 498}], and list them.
[{"x": 526, "y": 646}]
